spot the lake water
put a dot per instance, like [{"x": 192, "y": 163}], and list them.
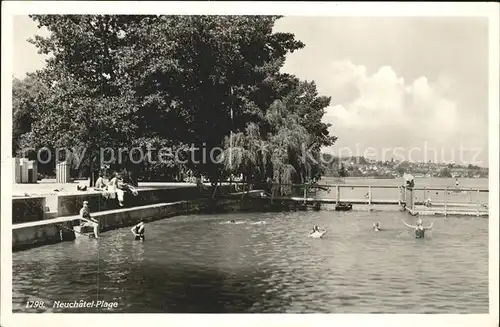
[{"x": 201, "y": 264}]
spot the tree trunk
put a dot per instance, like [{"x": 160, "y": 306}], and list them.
[{"x": 91, "y": 184}]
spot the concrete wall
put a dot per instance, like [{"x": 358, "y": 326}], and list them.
[
  {"x": 114, "y": 219},
  {"x": 33, "y": 226},
  {"x": 69, "y": 205},
  {"x": 32, "y": 236},
  {"x": 49, "y": 231},
  {"x": 26, "y": 209}
]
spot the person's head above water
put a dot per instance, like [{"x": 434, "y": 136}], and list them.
[{"x": 232, "y": 221}]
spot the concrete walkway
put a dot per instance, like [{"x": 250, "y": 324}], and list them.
[{"x": 49, "y": 187}]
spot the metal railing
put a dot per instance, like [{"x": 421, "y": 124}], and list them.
[{"x": 443, "y": 200}]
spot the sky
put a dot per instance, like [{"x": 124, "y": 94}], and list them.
[{"x": 404, "y": 88}]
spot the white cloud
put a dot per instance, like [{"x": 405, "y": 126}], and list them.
[{"x": 384, "y": 100}]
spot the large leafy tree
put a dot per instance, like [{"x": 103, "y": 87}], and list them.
[
  {"x": 29, "y": 96},
  {"x": 197, "y": 78},
  {"x": 155, "y": 81},
  {"x": 87, "y": 109},
  {"x": 171, "y": 77}
]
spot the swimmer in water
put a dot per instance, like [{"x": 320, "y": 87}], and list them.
[
  {"x": 317, "y": 230},
  {"x": 419, "y": 228},
  {"x": 138, "y": 231},
  {"x": 232, "y": 221},
  {"x": 376, "y": 226}
]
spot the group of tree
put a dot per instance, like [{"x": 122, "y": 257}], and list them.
[{"x": 114, "y": 81}]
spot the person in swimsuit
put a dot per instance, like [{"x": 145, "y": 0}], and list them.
[
  {"x": 376, "y": 226},
  {"x": 419, "y": 228},
  {"x": 138, "y": 231},
  {"x": 317, "y": 230}
]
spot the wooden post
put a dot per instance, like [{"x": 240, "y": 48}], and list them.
[
  {"x": 412, "y": 199},
  {"x": 470, "y": 195},
  {"x": 338, "y": 193},
  {"x": 399, "y": 196},
  {"x": 478, "y": 204},
  {"x": 425, "y": 199},
  {"x": 305, "y": 193},
  {"x": 370, "y": 197}
]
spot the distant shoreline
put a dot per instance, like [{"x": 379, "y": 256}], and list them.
[{"x": 390, "y": 177}]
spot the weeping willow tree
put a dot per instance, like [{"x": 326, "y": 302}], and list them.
[
  {"x": 275, "y": 155},
  {"x": 244, "y": 153},
  {"x": 286, "y": 142}
]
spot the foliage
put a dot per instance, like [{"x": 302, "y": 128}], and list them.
[
  {"x": 176, "y": 81},
  {"x": 279, "y": 153},
  {"x": 28, "y": 97},
  {"x": 445, "y": 172}
]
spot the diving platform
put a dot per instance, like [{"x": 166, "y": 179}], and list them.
[{"x": 444, "y": 201}]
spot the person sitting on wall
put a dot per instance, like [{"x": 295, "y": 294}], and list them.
[
  {"x": 99, "y": 184},
  {"x": 88, "y": 221},
  {"x": 114, "y": 189},
  {"x": 117, "y": 188}
]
